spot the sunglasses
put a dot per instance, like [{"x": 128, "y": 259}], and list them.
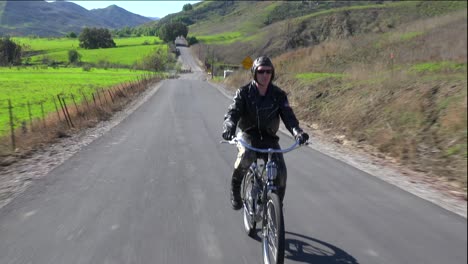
[{"x": 264, "y": 71}]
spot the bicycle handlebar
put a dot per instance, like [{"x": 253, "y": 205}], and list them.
[{"x": 236, "y": 141}]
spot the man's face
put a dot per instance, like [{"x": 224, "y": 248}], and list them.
[{"x": 264, "y": 75}]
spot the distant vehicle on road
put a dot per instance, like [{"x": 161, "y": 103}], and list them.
[{"x": 180, "y": 41}]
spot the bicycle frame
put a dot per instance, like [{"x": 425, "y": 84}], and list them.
[
  {"x": 271, "y": 219},
  {"x": 270, "y": 167}
]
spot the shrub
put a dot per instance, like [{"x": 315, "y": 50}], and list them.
[
  {"x": 192, "y": 40},
  {"x": 94, "y": 38},
  {"x": 10, "y": 52},
  {"x": 74, "y": 56},
  {"x": 169, "y": 32},
  {"x": 158, "y": 61}
]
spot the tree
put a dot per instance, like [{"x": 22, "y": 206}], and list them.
[
  {"x": 94, "y": 38},
  {"x": 74, "y": 56},
  {"x": 158, "y": 61},
  {"x": 71, "y": 35},
  {"x": 192, "y": 40},
  {"x": 187, "y": 7},
  {"x": 170, "y": 31},
  {"x": 10, "y": 52}
]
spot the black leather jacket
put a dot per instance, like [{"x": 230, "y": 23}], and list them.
[{"x": 259, "y": 116}]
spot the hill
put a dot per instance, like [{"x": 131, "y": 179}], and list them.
[
  {"x": 276, "y": 27},
  {"x": 41, "y": 18},
  {"x": 389, "y": 77}
]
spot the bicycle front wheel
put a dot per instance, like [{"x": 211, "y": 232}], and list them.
[{"x": 273, "y": 231}]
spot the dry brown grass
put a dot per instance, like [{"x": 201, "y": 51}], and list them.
[{"x": 418, "y": 118}]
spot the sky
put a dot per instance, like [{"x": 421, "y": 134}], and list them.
[{"x": 144, "y": 8}]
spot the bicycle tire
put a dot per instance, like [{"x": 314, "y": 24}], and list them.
[
  {"x": 273, "y": 231},
  {"x": 248, "y": 205}
]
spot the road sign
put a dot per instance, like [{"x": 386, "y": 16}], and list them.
[{"x": 247, "y": 62}]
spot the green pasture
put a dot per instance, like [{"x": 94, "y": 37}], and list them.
[
  {"x": 224, "y": 38},
  {"x": 126, "y": 52},
  {"x": 229, "y": 38},
  {"x": 33, "y": 85},
  {"x": 138, "y": 41},
  {"x": 60, "y": 44},
  {"x": 44, "y": 45},
  {"x": 126, "y": 55},
  {"x": 315, "y": 76},
  {"x": 441, "y": 66}
]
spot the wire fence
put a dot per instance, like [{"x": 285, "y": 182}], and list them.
[{"x": 23, "y": 124}]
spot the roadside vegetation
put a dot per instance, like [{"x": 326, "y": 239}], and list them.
[
  {"x": 49, "y": 82},
  {"x": 31, "y": 86},
  {"x": 128, "y": 53},
  {"x": 54, "y": 87},
  {"x": 389, "y": 78}
]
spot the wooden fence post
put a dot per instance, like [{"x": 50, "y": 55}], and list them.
[
  {"x": 56, "y": 109},
  {"x": 104, "y": 95},
  {"x": 12, "y": 125},
  {"x": 43, "y": 115},
  {"x": 30, "y": 117},
  {"x": 121, "y": 89},
  {"x": 110, "y": 94},
  {"x": 94, "y": 99},
  {"x": 74, "y": 102},
  {"x": 99, "y": 96},
  {"x": 86, "y": 100},
  {"x": 63, "y": 110},
  {"x": 66, "y": 111}
]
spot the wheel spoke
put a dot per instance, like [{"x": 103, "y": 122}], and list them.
[
  {"x": 273, "y": 235},
  {"x": 271, "y": 230},
  {"x": 249, "y": 207}
]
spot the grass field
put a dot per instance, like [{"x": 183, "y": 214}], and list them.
[
  {"x": 125, "y": 56},
  {"x": 313, "y": 76},
  {"x": 61, "y": 44},
  {"x": 126, "y": 53},
  {"x": 224, "y": 38},
  {"x": 35, "y": 85}
]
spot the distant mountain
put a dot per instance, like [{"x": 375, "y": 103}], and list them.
[
  {"x": 41, "y": 18},
  {"x": 155, "y": 18},
  {"x": 119, "y": 17}
]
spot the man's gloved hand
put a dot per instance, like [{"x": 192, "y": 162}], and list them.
[
  {"x": 229, "y": 130},
  {"x": 302, "y": 138}
]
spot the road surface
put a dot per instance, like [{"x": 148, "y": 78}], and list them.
[{"x": 154, "y": 189}]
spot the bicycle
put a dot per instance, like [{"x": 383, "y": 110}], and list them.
[{"x": 259, "y": 195}]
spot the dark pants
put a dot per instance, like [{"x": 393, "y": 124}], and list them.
[{"x": 245, "y": 157}]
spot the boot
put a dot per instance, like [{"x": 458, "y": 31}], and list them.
[{"x": 236, "y": 200}]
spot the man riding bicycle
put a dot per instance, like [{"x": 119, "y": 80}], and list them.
[{"x": 256, "y": 110}]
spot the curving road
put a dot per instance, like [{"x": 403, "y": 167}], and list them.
[{"x": 154, "y": 189}]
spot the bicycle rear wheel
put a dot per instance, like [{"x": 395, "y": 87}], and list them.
[
  {"x": 249, "y": 204},
  {"x": 273, "y": 231}
]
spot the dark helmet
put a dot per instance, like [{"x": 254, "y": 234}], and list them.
[{"x": 262, "y": 61}]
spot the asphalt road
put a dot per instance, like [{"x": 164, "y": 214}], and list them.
[{"x": 154, "y": 189}]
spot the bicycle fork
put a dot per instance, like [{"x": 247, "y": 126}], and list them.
[{"x": 271, "y": 172}]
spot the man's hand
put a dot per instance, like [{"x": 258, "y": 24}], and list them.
[
  {"x": 229, "y": 130},
  {"x": 302, "y": 138}
]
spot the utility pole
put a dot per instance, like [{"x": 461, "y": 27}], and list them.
[{"x": 212, "y": 64}]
